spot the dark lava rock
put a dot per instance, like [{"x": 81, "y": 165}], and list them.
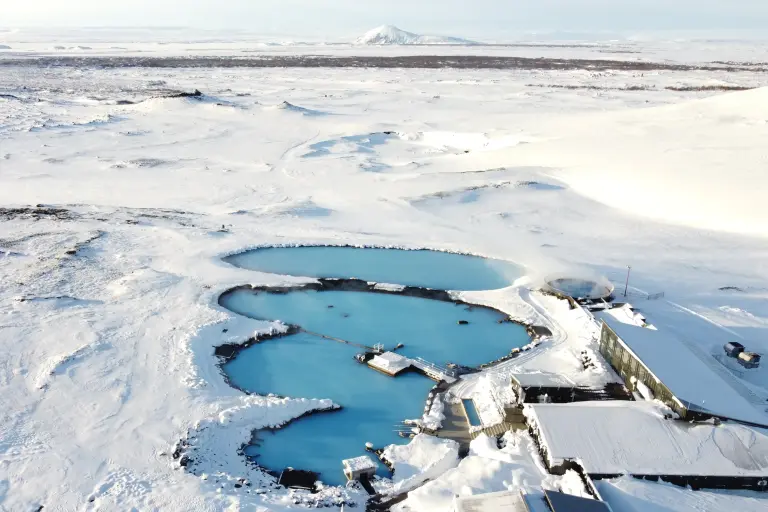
[
  {"x": 195, "y": 94},
  {"x": 37, "y": 213}
]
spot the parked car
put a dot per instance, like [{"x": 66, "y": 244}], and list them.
[
  {"x": 749, "y": 359},
  {"x": 733, "y": 349}
]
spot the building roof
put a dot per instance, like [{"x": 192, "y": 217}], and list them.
[
  {"x": 691, "y": 376},
  {"x": 390, "y": 362},
  {"x": 561, "y": 502},
  {"x": 619, "y": 437},
  {"x": 504, "y": 501},
  {"x": 362, "y": 463}
]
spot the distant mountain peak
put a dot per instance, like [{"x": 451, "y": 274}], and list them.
[{"x": 389, "y": 34}]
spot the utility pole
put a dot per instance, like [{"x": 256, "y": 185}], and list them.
[{"x": 626, "y": 285}]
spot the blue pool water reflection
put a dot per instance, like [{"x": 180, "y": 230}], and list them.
[
  {"x": 423, "y": 268},
  {"x": 472, "y": 416}
]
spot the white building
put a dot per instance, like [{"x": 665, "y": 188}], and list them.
[{"x": 358, "y": 467}]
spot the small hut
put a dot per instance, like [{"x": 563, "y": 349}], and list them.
[{"x": 359, "y": 467}]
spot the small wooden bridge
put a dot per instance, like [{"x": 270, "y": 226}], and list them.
[{"x": 433, "y": 371}]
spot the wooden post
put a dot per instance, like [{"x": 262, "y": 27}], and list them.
[{"x": 626, "y": 285}]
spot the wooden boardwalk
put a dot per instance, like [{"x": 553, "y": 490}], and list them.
[
  {"x": 456, "y": 426},
  {"x": 324, "y": 336},
  {"x": 433, "y": 371}
]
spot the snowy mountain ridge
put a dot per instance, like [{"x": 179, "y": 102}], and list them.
[{"x": 388, "y": 34}]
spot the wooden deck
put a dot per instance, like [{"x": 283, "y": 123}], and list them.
[
  {"x": 456, "y": 426},
  {"x": 431, "y": 370}
]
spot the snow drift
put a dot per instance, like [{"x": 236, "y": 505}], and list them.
[
  {"x": 424, "y": 458},
  {"x": 699, "y": 163}
]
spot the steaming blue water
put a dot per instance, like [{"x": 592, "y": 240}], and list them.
[
  {"x": 427, "y": 269},
  {"x": 472, "y": 416},
  {"x": 306, "y": 366}
]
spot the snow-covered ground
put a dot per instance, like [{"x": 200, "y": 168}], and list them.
[{"x": 108, "y": 315}]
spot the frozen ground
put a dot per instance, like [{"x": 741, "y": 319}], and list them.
[{"x": 108, "y": 319}]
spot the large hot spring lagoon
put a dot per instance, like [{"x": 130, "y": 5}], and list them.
[{"x": 333, "y": 324}]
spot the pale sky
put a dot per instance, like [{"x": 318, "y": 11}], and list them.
[{"x": 339, "y": 18}]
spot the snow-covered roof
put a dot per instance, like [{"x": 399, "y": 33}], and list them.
[
  {"x": 503, "y": 501},
  {"x": 696, "y": 382},
  {"x": 361, "y": 463},
  {"x": 543, "y": 379},
  {"x": 627, "y": 493},
  {"x": 390, "y": 362},
  {"x": 633, "y": 437}
]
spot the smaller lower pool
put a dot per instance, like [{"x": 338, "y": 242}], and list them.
[{"x": 471, "y": 411}]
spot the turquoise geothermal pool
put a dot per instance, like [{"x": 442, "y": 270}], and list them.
[{"x": 373, "y": 404}]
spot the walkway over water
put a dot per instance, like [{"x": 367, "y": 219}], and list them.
[{"x": 393, "y": 364}]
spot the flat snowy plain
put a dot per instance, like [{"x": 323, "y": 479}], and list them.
[{"x": 108, "y": 313}]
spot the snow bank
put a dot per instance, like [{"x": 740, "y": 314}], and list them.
[
  {"x": 216, "y": 442},
  {"x": 486, "y": 446},
  {"x": 490, "y": 393},
  {"x": 433, "y": 419},
  {"x": 424, "y": 458},
  {"x": 388, "y": 287},
  {"x": 485, "y": 469}
]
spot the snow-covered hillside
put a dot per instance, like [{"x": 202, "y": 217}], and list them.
[
  {"x": 388, "y": 34},
  {"x": 701, "y": 163}
]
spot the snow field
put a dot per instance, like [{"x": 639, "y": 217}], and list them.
[{"x": 108, "y": 362}]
